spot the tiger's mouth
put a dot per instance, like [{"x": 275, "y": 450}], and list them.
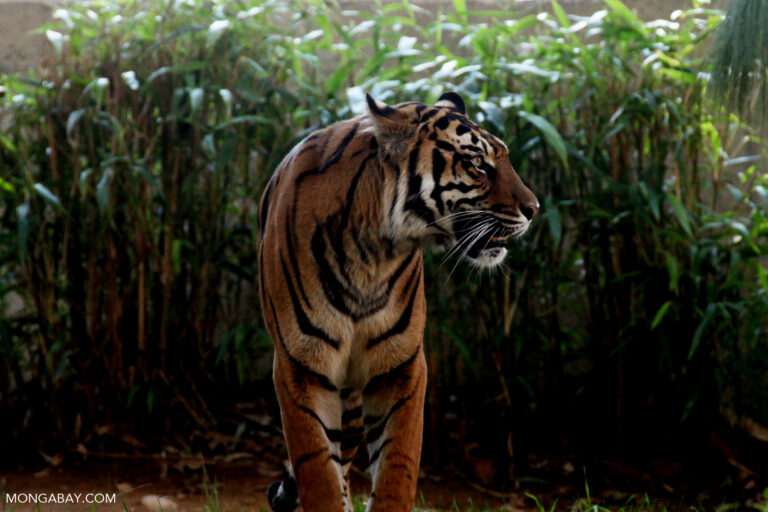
[{"x": 482, "y": 238}]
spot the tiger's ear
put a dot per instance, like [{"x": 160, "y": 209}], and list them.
[
  {"x": 392, "y": 127},
  {"x": 452, "y": 100}
]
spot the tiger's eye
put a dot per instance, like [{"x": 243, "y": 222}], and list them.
[{"x": 477, "y": 161}]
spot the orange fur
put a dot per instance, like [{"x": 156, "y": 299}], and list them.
[{"x": 343, "y": 221}]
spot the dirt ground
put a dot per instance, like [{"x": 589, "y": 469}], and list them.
[{"x": 239, "y": 486}]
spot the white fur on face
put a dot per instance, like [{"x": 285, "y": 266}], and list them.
[{"x": 490, "y": 257}]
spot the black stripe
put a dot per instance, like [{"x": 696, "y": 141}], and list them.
[
  {"x": 377, "y": 380},
  {"x": 429, "y": 114},
  {"x": 376, "y": 431},
  {"x": 446, "y": 146},
  {"x": 416, "y": 204},
  {"x": 306, "y": 458},
  {"x": 298, "y": 365},
  {"x": 314, "y": 136},
  {"x": 399, "y": 270},
  {"x": 338, "y": 241},
  {"x": 333, "y": 434},
  {"x": 338, "y": 459},
  {"x": 472, "y": 200},
  {"x": 351, "y": 414},
  {"x": 461, "y": 187},
  {"x": 308, "y": 147},
  {"x": 361, "y": 249},
  {"x": 413, "y": 201},
  {"x": 337, "y": 154},
  {"x": 332, "y": 286},
  {"x": 351, "y": 442},
  {"x": 305, "y": 325},
  {"x": 443, "y": 122},
  {"x": 375, "y": 455},
  {"x": 330, "y": 161},
  {"x": 405, "y": 318},
  {"x": 438, "y": 168},
  {"x": 294, "y": 263},
  {"x": 265, "y": 202}
]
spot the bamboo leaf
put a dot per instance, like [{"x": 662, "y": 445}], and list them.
[
  {"x": 620, "y": 8},
  {"x": 708, "y": 314},
  {"x": 102, "y": 189},
  {"x": 554, "y": 220},
  {"x": 6, "y": 186},
  {"x": 551, "y": 135},
  {"x": 72, "y": 120},
  {"x": 560, "y": 15},
  {"x": 461, "y": 9},
  {"x": 56, "y": 39},
  {"x": 681, "y": 212},
  {"x": 660, "y": 314},
  {"x": 337, "y": 78},
  {"x": 249, "y": 119},
  {"x": 49, "y": 196},
  {"x": 215, "y": 30}
]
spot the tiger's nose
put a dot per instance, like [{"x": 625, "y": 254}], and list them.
[{"x": 529, "y": 210}]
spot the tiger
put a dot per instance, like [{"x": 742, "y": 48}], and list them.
[{"x": 343, "y": 221}]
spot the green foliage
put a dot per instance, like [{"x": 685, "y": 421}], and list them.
[
  {"x": 739, "y": 57},
  {"x": 132, "y": 166}
]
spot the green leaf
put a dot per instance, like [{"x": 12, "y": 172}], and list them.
[
  {"x": 48, "y": 196},
  {"x": 72, "y": 120},
  {"x": 182, "y": 68},
  {"x": 493, "y": 114},
  {"x": 56, "y": 39},
  {"x": 681, "y": 212},
  {"x": 23, "y": 227},
  {"x": 660, "y": 314},
  {"x": 708, "y": 314},
  {"x": 618, "y": 7},
  {"x": 461, "y": 344},
  {"x": 338, "y": 77},
  {"x": 554, "y": 220},
  {"x": 249, "y": 119},
  {"x": 461, "y": 9},
  {"x": 550, "y": 134},
  {"x": 215, "y": 30},
  {"x": 562, "y": 18},
  {"x": 6, "y": 186},
  {"x": 763, "y": 275},
  {"x": 196, "y": 96},
  {"x": 102, "y": 189},
  {"x": 674, "y": 273}
]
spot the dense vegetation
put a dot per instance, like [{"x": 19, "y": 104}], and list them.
[{"x": 632, "y": 321}]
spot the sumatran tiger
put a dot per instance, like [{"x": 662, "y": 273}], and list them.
[{"x": 343, "y": 222}]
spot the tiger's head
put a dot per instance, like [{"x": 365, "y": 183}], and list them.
[{"x": 456, "y": 186}]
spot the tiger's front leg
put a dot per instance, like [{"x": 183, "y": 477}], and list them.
[
  {"x": 311, "y": 415},
  {"x": 393, "y": 406}
]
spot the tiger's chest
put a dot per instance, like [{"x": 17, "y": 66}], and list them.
[{"x": 374, "y": 343}]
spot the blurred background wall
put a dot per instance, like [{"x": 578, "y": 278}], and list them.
[{"x": 20, "y": 48}]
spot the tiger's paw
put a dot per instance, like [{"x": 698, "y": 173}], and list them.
[{"x": 283, "y": 495}]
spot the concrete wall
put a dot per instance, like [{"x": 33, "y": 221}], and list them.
[{"x": 20, "y": 49}]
